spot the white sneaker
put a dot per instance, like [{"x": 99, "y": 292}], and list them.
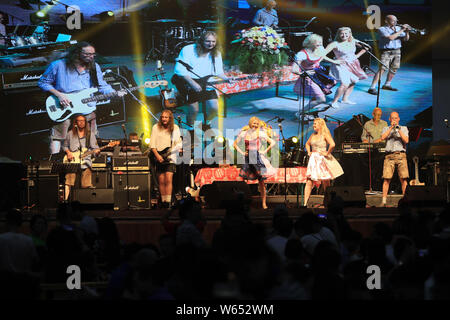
[{"x": 348, "y": 102}]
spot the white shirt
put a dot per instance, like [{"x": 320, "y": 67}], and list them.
[
  {"x": 203, "y": 66},
  {"x": 310, "y": 241},
  {"x": 161, "y": 139}
]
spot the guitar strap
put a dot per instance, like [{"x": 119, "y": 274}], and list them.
[{"x": 93, "y": 75}]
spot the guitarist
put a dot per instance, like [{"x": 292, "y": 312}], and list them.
[
  {"x": 165, "y": 141},
  {"x": 77, "y": 71},
  {"x": 205, "y": 59},
  {"x": 76, "y": 139}
]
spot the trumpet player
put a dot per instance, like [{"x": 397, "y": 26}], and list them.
[{"x": 390, "y": 42}]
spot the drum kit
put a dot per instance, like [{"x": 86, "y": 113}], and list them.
[
  {"x": 38, "y": 36},
  {"x": 169, "y": 36}
]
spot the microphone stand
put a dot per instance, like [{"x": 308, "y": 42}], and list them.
[
  {"x": 284, "y": 161},
  {"x": 379, "y": 78},
  {"x": 370, "y": 152},
  {"x": 132, "y": 94}
]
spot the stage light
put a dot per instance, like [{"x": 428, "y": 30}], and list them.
[
  {"x": 147, "y": 140},
  {"x": 105, "y": 15},
  {"x": 220, "y": 139},
  {"x": 38, "y": 17},
  {"x": 294, "y": 140}
]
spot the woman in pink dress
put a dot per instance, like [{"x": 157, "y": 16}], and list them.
[
  {"x": 309, "y": 59},
  {"x": 322, "y": 166},
  {"x": 349, "y": 72},
  {"x": 256, "y": 165}
]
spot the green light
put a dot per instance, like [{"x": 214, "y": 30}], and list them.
[
  {"x": 40, "y": 14},
  {"x": 294, "y": 139},
  {"x": 110, "y": 13}
]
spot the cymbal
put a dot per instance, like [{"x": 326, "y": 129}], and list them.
[
  {"x": 166, "y": 20},
  {"x": 207, "y": 21}
]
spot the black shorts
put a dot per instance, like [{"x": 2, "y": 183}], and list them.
[{"x": 165, "y": 167}]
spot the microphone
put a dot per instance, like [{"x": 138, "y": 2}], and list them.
[
  {"x": 124, "y": 130},
  {"x": 280, "y": 119},
  {"x": 446, "y": 122},
  {"x": 75, "y": 126},
  {"x": 159, "y": 65},
  {"x": 280, "y": 126},
  {"x": 179, "y": 119},
  {"x": 187, "y": 66}
]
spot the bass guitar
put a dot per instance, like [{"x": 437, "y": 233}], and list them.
[
  {"x": 165, "y": 153},
  {"x": 79, "y": 156},
  {"x": 79, "y": 101}
]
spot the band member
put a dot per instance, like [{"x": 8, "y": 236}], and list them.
[
  {"x": 165, "y": 142},
  {"x": 76, "y": 139},
  {"x": 322, "y": 166},
  {"x": 77, "y": 71},
  {"x": 205, "y": 59},
  {"x": 134, "y": 143},
  {"x": 256, "y": 166},
  {"x": 390, "y": 44},
  {"x": 373, "y": 128},
  {"x": 397, "y": 137},
  {"x": 349, "y": 72},
  {"x": 267, "y": 16},
  {"x": 2, "y": 30},
  {"x": 309, "y": 59}
]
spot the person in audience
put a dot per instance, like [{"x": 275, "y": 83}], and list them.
[
  {"x": 283, "y": 229},
  {"x": 17, "y": 251}
]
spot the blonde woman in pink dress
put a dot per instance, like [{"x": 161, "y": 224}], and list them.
[
  {"x": 349, "y": 72},
  {"x": 322, "y": 166}
]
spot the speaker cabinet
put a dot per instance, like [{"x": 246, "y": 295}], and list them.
[
  {"x": 43, "y": 191},
  {"x": 138, "y": 189},
  {"x": 425, "y": 196},
  {"x": 97, "y": 198},
  {"x": 101, "y": 179},
  {"x": 353, "y": 196},
  {"x": 219, "y": 193}
]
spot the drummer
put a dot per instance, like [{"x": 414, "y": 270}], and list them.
[
  {"x": 2, "y": 29},
  {"x": 267, "y": 16}
]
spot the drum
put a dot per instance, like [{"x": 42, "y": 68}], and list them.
[{"x": 178, "y": 32}]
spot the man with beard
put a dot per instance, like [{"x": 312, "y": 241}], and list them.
[
  {"x": 205, "y": 60},
  {"x": 77, "y": 71}
]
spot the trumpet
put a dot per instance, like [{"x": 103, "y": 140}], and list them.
[{"x": 421, "y": 32}]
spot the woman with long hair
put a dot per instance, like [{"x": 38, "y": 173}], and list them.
[
  {"x": 165, "y": 142},
  {"x": 256, "y": 166},
  {"x": 349, "y": 72},
  {"x": 322, "y": 166},
  {"x": 309, "y": 59}
]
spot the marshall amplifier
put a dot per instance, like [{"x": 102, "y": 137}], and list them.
[
  {"x": 100, "y": 161},
  {"x": 135, "y": 163},
  {"x": 101, "y": 178},
  {"x": 138, "y": 189}
]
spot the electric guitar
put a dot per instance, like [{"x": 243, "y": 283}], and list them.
[
  {"x": 185, "y": 89},
  {"x": 79, "y": 156},
  {"x": 79, "y": 101},
  {"x": 416, "y": 181},
  {"x": 165, "y": 153}
]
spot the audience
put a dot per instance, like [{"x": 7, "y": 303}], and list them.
[{"x": 318, "y": 257}]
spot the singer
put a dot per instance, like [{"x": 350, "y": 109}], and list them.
[
  {"x": 195, "y": 62},
  {"x": 349, "y": 72},
  {"x": 322, "y": 166},
  {"x": 77, "y": 71},
  {"x": 77, "y": 139},
  {"x": 165, "y": 143},
  {"x": 267, "y": 16},
  {"x": 397, "y": 138},
  {"x": 256, "y": 165},
  {"x": 390, "y": 44}
]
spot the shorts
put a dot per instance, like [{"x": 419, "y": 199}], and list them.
[
  {"x": 391, "y": 58},
  {"x": 393, "y": 160},
  {"x": 86, "y": 178},
  {"x": 165, "y": 167}
]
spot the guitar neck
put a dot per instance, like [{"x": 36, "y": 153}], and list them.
[
  {"x": 88, "y": 153},
  {"x": 106, "y": 96},
  {"x": 233, "y": 79}
]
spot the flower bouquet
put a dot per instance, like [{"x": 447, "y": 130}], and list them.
[{"x": 258, "y": 49}]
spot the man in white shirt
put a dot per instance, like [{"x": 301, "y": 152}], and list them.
[{"x": 204, "y": 59}]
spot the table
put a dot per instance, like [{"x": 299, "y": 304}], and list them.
[{"x": 209, "y": 175}]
